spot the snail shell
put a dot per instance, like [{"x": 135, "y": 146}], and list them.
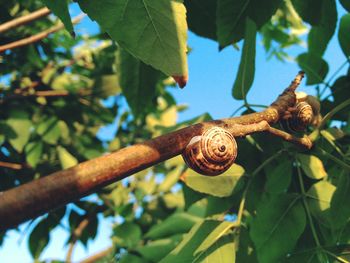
[
  {"x": 302, "y": 117},
  {"x": 212, "y": 153}
]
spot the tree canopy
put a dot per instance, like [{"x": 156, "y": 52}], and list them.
[{"x": 279, "y": 202}]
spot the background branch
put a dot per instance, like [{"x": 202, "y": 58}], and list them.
[
  {"x": 37, "y": 37},
  {"x": 24, "y": 19},
  {"x": 40, "y": 196}
]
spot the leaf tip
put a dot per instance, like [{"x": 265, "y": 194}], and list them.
[{"x": 181, "y": 80}]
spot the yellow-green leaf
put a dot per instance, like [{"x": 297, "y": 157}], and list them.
[{"x": 312, "y": 166}]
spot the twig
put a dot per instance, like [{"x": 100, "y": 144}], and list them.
[
  {"x": 14, "y": 166},
  {"x": 305, "y": 141},
  {"x": 24, "y": 19},
  {"x": 97, "y": 256},
  {"x": 39, "y": 196},
  {"x": 37, "y": 37},
  {"x": 75, "y": 237}
]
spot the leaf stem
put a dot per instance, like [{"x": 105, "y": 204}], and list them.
[{"x": 307, "y": 209}]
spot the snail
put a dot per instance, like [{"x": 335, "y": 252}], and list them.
[
  {"x": 305, "y": 113},
  {"x": 212, "y": 153}
]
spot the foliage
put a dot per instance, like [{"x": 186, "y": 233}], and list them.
[{"x": 277, "y": 204}]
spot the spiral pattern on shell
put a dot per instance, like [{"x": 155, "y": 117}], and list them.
[
  {"x": 301, "y": 118},
  {"x": 212, "y": 153}
]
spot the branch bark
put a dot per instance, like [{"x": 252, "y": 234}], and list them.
[
  {"x": 24, "y": 19},
  {"x": 40, "y": 196},
  {"x": 37, "y": 37}
]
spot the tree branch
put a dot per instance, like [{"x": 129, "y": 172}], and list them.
[
  {"x": 14, "y": 166},
  {"x": 97, "y": 256},
  {"x": 24, "y": 19},
  {"x": 40, "y": 196},
  {"x": 37, "y": 37}
]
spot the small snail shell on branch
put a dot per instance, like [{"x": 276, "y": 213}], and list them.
[
  {"x": 305, "y": 113},
  {"x": 212, "y": 153}
]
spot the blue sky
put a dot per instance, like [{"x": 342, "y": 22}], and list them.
[{"x": 211, "y": 76}]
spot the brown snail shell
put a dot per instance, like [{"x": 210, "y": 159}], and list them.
[
  {"x": 212, "y": 153},
  {"x": 302, "y": 117}
]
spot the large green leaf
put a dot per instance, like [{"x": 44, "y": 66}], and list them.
[
  {"x": 153, "y": 31},
  {"x": 321, "y": 34},
  {"x": 20, "y": 124},
  {"x": 127, "y": 235},
  {"x": 320, "y": 196},
  {"x": 271, "y": 228},
  {"x": 312, "y": 166},
  {"x": 223, "y": 251},
  {"x": 201, "y": 17},
  {"x": 175, "y": 224},
  {"x": 343, "y": 34},
  {"x": 315, "y": 67},
  {"x": 60, "y": 9},
  {"x": 201, "y": 237},
  {"x": 309, "y": 10},
  {"x": 340, "y": 209},
  {"x": 279, "y": 178},
  {"x": 220, "y": 186},
  {"x": 138, "y": 83},
  {"x": 232, "y": 17},
  {"x": 156, "y": 250},
  {"x": 246, "y": 70},
  {"x": 345, "y": 4}
]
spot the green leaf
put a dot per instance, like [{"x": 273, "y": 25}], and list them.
[
  {"x": 321, "y": 34},
  {"x": 109, "y": 85},
  {"x": 154, "y": 251},
  {"x": 138, "y": 83},
  {"x": 271, "y": 228},
  {"x": 246, "y": 70},
  {"x": 340, "y": 89},
  {"x": 343, "y": 34},
  {"x": 127, "y": 235},
  {"x": 201, "y": 17},
  {"x": 309, "y": 10},
  {"x": 33, "y": 153},
  {"x": 175, "y": 224},
  {"x": 320, "y": 196},
  {"x": 153, "y": 31},
  {"x": 67, "y": 160},
  {"x": 223, "y": 250},
  {"x": 245, "y": 251},
  {"x": 20, "y": 124},
  {"x": 60, "y": 9},
  {"x": 170, "y": 179},
  {"x": 232, "y": 17},
  {"x": 279, "y": 178},
  {"x": 312, "y": 166},
  {"x": 201, "y": 237},
  {"x": 50, "y": 130},
  {"x": 39, "y": 238},
  {"x": 222, "y": 185},
  {"x": 315, "y": 67},
  {"x": 129, "y": 258},
  {"x": 345, "y": 4},
  {"x": 340, "y": 209}
]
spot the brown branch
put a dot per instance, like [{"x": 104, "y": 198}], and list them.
[
  {"x": 97, "y": 256},
  {"x": 40, "y": 196},
  {"x": 14, "y": 166},
  {"x": 24, "y": 19},
  {"x": 75, "y": 237},
  {"x": 37, "y": 37}
]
